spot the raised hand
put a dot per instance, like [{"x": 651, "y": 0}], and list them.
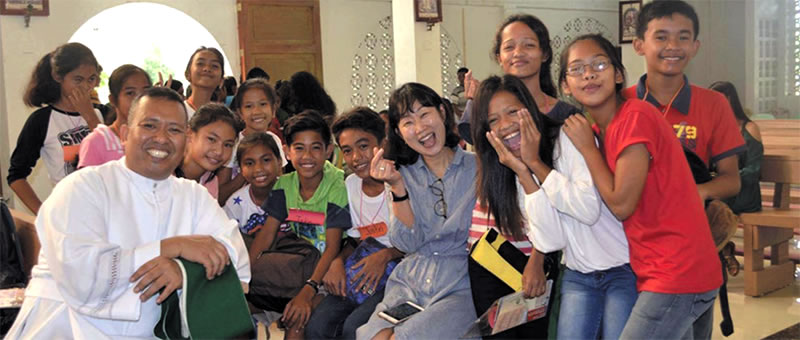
[
  {"x": 504, "y": 155},
  {"x": 160, "y": 272},
  {"x": 383, "y": 169},
  {"x": 470, "y": 85},
  {"x": 529, "y": 144},
  {"x": 161, "y": 81},
  {"x": 579, "y": 131},
  {"x": 81, "y": 100}
]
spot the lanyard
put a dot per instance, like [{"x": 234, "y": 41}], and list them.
[{"x": 666, "y": 109}]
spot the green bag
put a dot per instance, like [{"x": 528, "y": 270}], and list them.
[{"x": 205, "y": 308}]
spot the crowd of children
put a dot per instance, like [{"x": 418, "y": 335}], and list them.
[{"x": 604, "y": 212}]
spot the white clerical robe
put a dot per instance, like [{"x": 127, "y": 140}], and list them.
[{"x": 98, "y": 226}]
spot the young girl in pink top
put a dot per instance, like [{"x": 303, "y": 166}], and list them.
[
  {"x": 104, "y": 144},
  {"x": 213, "y": 131}
]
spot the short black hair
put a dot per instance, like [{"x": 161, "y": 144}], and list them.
[
  {"x": 176, "y": 85},
  {"x": 257, "y": 72},
  {"x": 462, "y": 70},
  {"x": 156, "y": 92},
  {"x": 660, "y": 9},
  {"x": 400, "y": 104},
  {"x": 230, "y": 85},
  {"x": 258, "y": 138},
  {"x": 362, "y": 118},
  {"x": 304, "y": 121}
]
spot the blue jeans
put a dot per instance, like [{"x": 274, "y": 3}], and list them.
[
  {"x": 591, "y": 302},
  {"x": 671, "y": 316},
  {"x": 337, "y": 317}
]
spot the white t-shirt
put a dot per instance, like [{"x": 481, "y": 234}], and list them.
[
  {"x": 366, "y": 210},
  {"x": 189, "y": 111},
  {"x": 248, "y": 214}
]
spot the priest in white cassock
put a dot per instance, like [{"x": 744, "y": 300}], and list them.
[{"x": 110, "y": 233}]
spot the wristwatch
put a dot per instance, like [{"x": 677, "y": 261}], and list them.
[
  {"x": 396, "y": 198},
  {"x": 313, "y": 284}
]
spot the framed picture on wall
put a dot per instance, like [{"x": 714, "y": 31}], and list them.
[
  {"x": 25, "y": 7},
  {"x": 628, "y": 12},
  {"x": 428, "y": 10}
]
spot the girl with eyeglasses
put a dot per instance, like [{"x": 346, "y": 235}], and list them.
[
  {"x": 642, "y": 175},
  {"x": 432, "y": 183},
  {"x": 536, "y": 186}
]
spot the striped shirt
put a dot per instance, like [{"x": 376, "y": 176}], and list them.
[
  {"x": 100, "y": 146},
  {"x": 481, "y": 222}
]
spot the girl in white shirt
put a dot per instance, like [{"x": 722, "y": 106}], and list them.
[{"x": 521, "y": 149}]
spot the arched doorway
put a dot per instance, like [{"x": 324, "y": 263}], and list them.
[{"x": 144, "y": 34}]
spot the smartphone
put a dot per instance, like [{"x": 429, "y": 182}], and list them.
[{"x": 401, "y": 312}]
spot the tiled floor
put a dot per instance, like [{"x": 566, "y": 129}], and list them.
[
  {"x": 753, "y": 318},
  {"x": 758, "y": 317}
]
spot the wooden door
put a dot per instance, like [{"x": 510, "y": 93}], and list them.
[{"x": 280, "y": 36}]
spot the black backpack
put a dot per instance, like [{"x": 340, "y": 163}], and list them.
[{"x": 12, "y": 270}]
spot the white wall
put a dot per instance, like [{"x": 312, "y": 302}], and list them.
[{"x": 21, "y": 48}]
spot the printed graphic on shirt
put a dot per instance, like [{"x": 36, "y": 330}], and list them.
[
  {"x": 70, "y": 143},
  {"x": 687, "y": 134},
  {"x": 254, "y": 223},
  {"x": 309, "y": 225}
]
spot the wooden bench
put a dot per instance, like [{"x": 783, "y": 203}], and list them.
[{"x": 774, "y": 226}]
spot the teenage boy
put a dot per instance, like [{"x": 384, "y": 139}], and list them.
[
  {"x": 358, "y": 133},
  {"x": 666, "y": 35},
  {"x": 310, "y": 202}
]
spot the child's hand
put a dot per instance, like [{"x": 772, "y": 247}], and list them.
[
  {"x": 580, "y": 132},
  {"x": 504, "y": 155},
  {"x": 298, "y": 310},
  {"x": 383, "y": 169},
  {"x": 335, "y": 279},
  {"x": 81, "y": 101},
  {"x": 371, "y": 270},
  {"x": 534, "y": 281},
  {"x": 529, "y": 146},
  {"x": 161, "y": 81}
]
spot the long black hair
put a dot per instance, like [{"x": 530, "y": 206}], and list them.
[
  {"x": 727, "y": 88},
  {"x": 497, "y": 185},
  {"x": 538, "y": 27},
  {"x": 400, "y": 104}
]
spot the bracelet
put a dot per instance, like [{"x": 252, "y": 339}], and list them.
[
  {"x": 313, "y": 284},
  {"x": 396, "y": 198}
]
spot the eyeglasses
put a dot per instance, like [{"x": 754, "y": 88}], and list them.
[
  {"x": 440, "y": 207},
  {"x": 598, "y": 65}
]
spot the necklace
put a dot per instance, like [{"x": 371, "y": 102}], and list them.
[
  {"x": 666, "y": 108},
  {"x": 361, "y": 206}
]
